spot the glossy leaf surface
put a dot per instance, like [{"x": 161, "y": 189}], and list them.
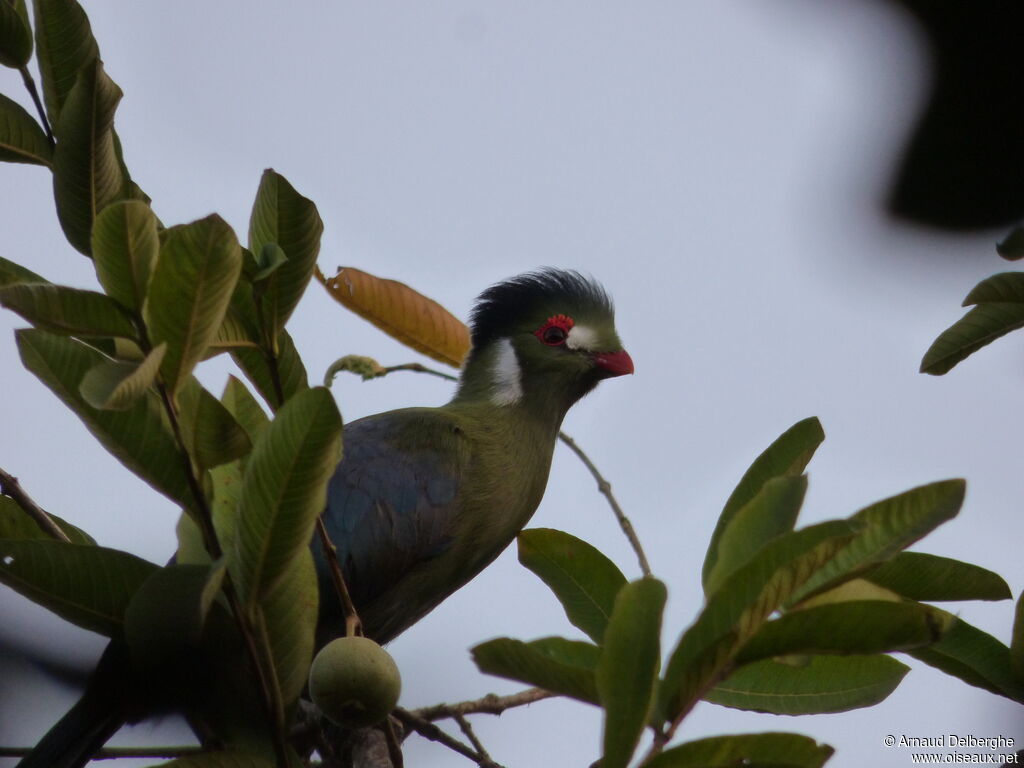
[
  {"x": 553, "y": 663},
  {"x": 189, "y": 293},
  {"x": 749, "y": 750},
  {"x": 628, "y": 667},
  {"x": 823, "y": 684},
  {"x": 787, "y": 456},
  {"x": 284, "y": 489},
  {"x": 21, "y": 138},
  {"x": 87, "y": 585},
  {"x": 87, "y": 175},
  {"x": 582, "y": 578}
]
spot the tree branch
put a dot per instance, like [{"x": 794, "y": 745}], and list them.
[
  {"x": 606, "y": 488},
  {"x": 485, "y": 759},
  {"x": 353, "y": 626},
  {"x": 491, "y": 704},
  {"x": 428, "y": 730},
  {"x": 10, "y": 487}
]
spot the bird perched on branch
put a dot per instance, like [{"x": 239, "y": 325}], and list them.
[{"x": 425, "y": 498}]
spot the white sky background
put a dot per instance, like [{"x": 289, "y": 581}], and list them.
[{"x": 717, "y": 165}]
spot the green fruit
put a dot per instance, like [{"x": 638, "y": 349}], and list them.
[{"x": 354, "y": 682}]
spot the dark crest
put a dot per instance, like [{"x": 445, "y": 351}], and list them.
[{"x": 504, "y": 306}]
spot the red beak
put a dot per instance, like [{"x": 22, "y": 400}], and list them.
[{"x": 614, "y": 363}]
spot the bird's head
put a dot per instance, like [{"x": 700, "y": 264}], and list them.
[{"x": 544, "y": 337}]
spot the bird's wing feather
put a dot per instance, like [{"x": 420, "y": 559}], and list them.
[{"x": 391, "y": 502}]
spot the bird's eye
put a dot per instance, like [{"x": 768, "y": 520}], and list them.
[
  {"x": 555, "y": 331},
  {"x": 553, "y": 335}
]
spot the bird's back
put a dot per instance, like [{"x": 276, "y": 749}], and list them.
[{"x": 422, "y": 500}]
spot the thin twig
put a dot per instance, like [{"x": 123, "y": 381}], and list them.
[
  {"x": 428, "y": 730},
  {"x": 486, "y": 761},
  {"x": 353, "y": 626},
  {"x": 30, "y": 86},
  {"x": 606, "y": 488},
  {"x": 10, "y": 487},
  {"x": 491, "y": 704},
  {"x": 417, "y": 368},
  {"x": 117, "y": 753},
  {"x": 602, "y": 484}
]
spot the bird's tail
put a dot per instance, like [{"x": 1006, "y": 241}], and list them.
[{"x": 87, "y": 726}]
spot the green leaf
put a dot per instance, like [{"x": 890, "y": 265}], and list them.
[
  {"x": 64, "y": 47},
  {"x": 750, "y": 750},
  {"x": 87, "y": 585},
  {"x": 165, "y": 618},
  {"x": 213, "y": 435},
  {"x": 189, "y": 293},
  {"x": 21, "y": 138},
  {"x": 850, "y": 591},
  {"x": 271, "y": 256},
  {"x": 1017, "y": 642},
  {"x": 15, "y": 523},
  {"x": 284, "y": 489},
  {"x": 289, "y": 613},
  {"x": 889, "y": 526},
  {"x": 552, "y": 663},
  {"x": 975, "y": 657},
  {"x": 72, "y": 311},
  {"x": 15, "y": 35},
  {"x": 1006, "y": 287},
  {"x": 238, "y": 328},
  {"x": 982, "y": 325},
  {"x": 1012, "y": 246},
  {"x": 919, "y": 576},
  {"x": 282, "y": 216},
  {"x": 116, "y": 386},
  {"x": 852, "y": 627},
  {"x": 745, "y": 601},
  {"x": 243, "y": 406},
  {"x": 241, "y": 326},
  {"x": 291, "y": 371},
  {"x": 582, "y": 578},
  {"x": 226, "y": 486},
  {"x": 11, "y": 273},
  {"x": 125, "y": 248},
  {"x": 137, "y": 437},
  {"x": 86, "y": 173},
  {"x": 786, "y": 457},
  {"x": 628, "y": 667},
  {"x": 771, "y": 512},
  {"x": 825, "y": 684}
]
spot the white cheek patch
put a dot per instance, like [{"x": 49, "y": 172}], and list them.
[
  {"x": 582, "y": 337},
  {"x": 506, "y": 375}
]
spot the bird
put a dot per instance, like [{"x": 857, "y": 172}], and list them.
[
  {"x": 423, "y": 498},
  {"x": 426, "y": 498}
]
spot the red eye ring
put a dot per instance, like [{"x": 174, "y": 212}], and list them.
[{"x": 555, "y": 330}]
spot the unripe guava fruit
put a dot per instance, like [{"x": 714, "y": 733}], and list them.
[{"x": 354, "y": 682}]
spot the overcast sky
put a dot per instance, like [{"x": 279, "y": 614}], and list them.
[{"x": 717, "y": 165}]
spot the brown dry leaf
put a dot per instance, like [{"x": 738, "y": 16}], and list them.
[{"x": 402, "y": 313}]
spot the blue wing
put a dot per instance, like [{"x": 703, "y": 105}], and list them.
[{"x": 390, "y": 508}]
